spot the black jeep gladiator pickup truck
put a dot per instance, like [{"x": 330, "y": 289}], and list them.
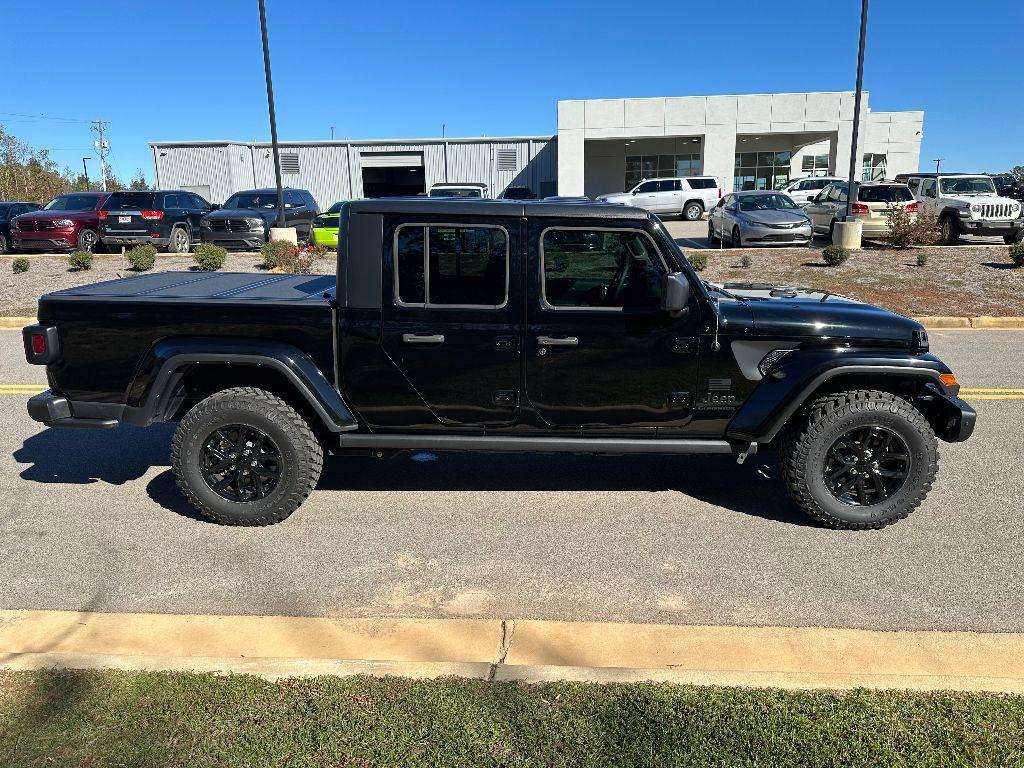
[{"x": 499, "y": 326}]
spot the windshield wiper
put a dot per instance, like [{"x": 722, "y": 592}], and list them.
[{"x": 712, "y": 288}]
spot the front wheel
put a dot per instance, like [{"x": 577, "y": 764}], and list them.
[
  {"x": 860, "y": 459},
  {"x": 950, "y": 231},
  {"x": 87, "y": 240},
  {"x": 5, "y": 245},
  {"x": 245, "y": 457},
  {"x": 712, "y": 237},
  {"x": 1016, "y": 237},
  {"x": 736, "y": 239}
]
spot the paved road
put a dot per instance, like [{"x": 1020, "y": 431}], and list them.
[{"x": 93, "y": 520}]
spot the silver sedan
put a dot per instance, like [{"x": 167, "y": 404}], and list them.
[{"x": 758, "y": 218}]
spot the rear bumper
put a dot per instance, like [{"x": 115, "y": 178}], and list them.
[
  {"x": 133, "y": 240},
  {"x": 55, "y": 411}
]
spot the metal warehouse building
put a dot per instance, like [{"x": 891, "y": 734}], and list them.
[
  {"x": 757, "y": 141},
  {"x": 345, "y": 170}
]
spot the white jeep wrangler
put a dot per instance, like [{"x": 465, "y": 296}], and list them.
[{"x": 966, "y": 204}]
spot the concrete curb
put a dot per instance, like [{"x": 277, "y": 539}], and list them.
[
  {"x": 15, "y": 323},
  {"x": 280, "y": 646}
]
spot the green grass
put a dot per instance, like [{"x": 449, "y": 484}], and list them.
[{"x": 157, "y": 719}]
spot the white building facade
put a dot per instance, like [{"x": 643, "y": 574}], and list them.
[
  {"x": 603, "y": 145},
  {"x": 748, "y": 142}
]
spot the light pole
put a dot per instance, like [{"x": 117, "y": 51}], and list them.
[
  {"x": 85, "y": 171},
  {"x": 273, "y": 116},
  {"x": 852, "y": 191}
]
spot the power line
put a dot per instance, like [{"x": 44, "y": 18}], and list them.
[{"x": 46, "y": 117}]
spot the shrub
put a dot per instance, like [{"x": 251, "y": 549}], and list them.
[
  {"x": 746, "y": 261},
  {"x": 209, "y": 257},
  {"x": 299, "y": 259},
  {"x": 19, "y": 265},
  {"x": 698, "y": 260},
  {"x": 80, "y": 260},
  {"x": 901, "y": 227},
  {"x": 834, "y": 255},
  {"x": 1017, "y": 254},
  {"x": 274, "y": 252},
  {"x": 925, "y": 229},
  {"x": 922, "y": 258},
  {"x": 142, "y": 257}
]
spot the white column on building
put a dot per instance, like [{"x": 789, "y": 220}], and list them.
[{"x": 720, "y": 154}]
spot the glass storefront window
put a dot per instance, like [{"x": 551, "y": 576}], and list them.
[
  {"x": 762, "y": 170},
  {"x": 814, "y": 165},
  {"x": 873, "y": 168},
  {"x": 640, "y": 167}
]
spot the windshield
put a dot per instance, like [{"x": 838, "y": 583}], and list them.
[
  {"x": 254, "y": 200},
  {"x": 768, "y": 202},
  {"x": 894, "y": 194},
  {"x": 967, "y": 185},
  {"x": 72, "y": 203},
  {"x": 456, "y": 192},
  {"x": 336, "y": 208}
]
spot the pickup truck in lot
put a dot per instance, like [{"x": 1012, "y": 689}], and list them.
[{"x": 545, "y": 326}]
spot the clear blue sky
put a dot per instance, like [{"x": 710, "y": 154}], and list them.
[{"x": 193, "y": 69}]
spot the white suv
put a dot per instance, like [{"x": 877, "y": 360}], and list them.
[
  {"x": 802, "y": 191},
  {"x": 966, "y": 204},
  {"x": 686, "y": 196}
]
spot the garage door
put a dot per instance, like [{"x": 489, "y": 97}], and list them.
[{"x": 391, "y": 159}]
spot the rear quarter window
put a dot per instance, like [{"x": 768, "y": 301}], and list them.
[{"x": 702, "y": 183}]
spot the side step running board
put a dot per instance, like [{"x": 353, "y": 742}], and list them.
[{"x": 539, "y": 444}]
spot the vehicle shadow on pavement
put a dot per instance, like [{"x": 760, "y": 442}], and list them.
[
  {"x": 751, "y": 489},
  {"x": 80, "y": 456}
]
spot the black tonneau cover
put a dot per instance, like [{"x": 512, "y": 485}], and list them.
[{"x": 192, "y": 286}]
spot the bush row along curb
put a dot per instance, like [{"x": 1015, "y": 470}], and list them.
[{"x": 984, "y": 323}]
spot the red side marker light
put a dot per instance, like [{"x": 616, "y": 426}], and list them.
[{"x": 38, "y": 344}]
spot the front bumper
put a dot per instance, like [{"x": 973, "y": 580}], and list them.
[
  {"x": 988, "y": 227},
  {"x": 55, "y": 411},
  {"x": 753, "y": 234},
  {"x": 326, "y": 236},
  {"x": 952, "y": 418},
  {"x": 252, "y": 240},
  {"x": 59, "y": 242}
]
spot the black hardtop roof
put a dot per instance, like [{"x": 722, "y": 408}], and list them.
[
  {"x": 271, "y": 190},
  {"x": 476, "y": 207},
  {"x": 930, "y": 175}
]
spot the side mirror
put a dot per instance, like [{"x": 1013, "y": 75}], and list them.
[
  {"x": 633, "y": 192},
  {"x": 675, "y": 292}
]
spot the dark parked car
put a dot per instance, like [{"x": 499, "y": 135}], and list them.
[
  {"x": 497, "y": 326},
  {"x": 66, "y": 223},
  {"x": 1008, "y": 185},
  {"x": 7, "y": 213},
  {"x": 518, "y": 193},
  {"x": 166, "y": 218},
  {"x": 246, "y": 218}
]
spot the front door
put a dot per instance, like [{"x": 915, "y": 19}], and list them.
[
  {"x": 452, "y": 318},
  {"x": 601, "y": 354}
]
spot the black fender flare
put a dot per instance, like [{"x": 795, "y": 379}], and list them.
[
  {"x": 792, "y": 383},
  {"x": 161, "y": 371}
]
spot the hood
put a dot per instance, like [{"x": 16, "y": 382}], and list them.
[
  {"x": 54, "y": 215},
  {"x": 796, "y": 312},
  {"x": 773, "y": 216},
  {"x": 243, "y": 213},
  {"x": 618, "y": 197}
]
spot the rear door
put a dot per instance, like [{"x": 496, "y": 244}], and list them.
[
  {"x": 454, "y": 319},
  {"x": 601, "y": 355}
]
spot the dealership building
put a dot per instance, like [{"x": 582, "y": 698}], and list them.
[{"x": 755, "y": 141}]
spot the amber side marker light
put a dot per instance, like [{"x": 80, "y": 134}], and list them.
[{"x": 948, "y": 379}]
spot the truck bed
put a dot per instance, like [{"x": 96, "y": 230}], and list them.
[{"x": 213, "y": 286}]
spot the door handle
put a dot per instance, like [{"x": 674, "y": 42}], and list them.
[
  {"x": 423, "y": 338},
  {"x": 549, "y": 341}
]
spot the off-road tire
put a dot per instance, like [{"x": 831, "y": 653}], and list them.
[
  {"x": 178, "y": 244},
  {"x": 692, "y": 211},
  {"x": 806, "y": 444},
  {"x": 301, "y": 454},
  {"x": 950, "y": 228}
]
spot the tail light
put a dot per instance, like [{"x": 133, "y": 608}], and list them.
[
  {"x": 911, "y": 208},
  {"x": 859, "y": 209},
  {"x": 102, "y": 215},
  {"x": 152, "y": 215},
  {"x": 720, "y": 195},
  {"x": 42, "y": 345}
]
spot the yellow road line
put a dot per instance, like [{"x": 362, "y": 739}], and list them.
[{"x": 278, "y": 646}]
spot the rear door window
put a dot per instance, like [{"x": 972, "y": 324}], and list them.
[{"x": 451, "y": 266}]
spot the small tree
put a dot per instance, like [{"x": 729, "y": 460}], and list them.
[
  {"x": 19, "y": 265},
  {"x": 901, "y": 226},
  {"x": 926, "y": 230},
  {"x": 142, "y": 257},
  {"x": 139, "y": 181}
]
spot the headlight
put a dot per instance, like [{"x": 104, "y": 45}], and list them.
[
  {"x": 976, "y": 208},
  {"x": 255, "y": 223},
  {"x": 205, "y": 223},
  {"x": 64, "y": 223}
]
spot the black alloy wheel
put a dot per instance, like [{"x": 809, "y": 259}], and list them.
[
  {"x": 866, "y": 466},
  {"x": 87, "y": 240},
  {"x": 240, "y": 463}
]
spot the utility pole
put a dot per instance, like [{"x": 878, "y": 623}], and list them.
[
  {"x": 851, "y": 194},
  {"x": 273, "y": 117},
  {"x": 938, "y": 162},
  {"x": 332, "y": 133},
  {"x": 85, "y": 170},
  {"x": 102, "y": 145}
]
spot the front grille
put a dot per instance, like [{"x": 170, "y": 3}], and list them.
[
  {"x": 229, "y": 225},
  {"x": 783, "y": 225},
  {"x": 996, "y": 210},
  {"x": 35, "y": 225}
]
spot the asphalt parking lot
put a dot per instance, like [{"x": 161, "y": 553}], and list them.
[{"x": 94, "y": 521}]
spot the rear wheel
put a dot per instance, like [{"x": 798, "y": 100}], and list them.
[
  {"x": 87, "y": 240},
  {"x": 950, "y": 230},
  {"x": 180, "y": 242},
  {"x": 693, "y": 211},
  {"x": 245, "y": 457},
  {"x": 860, "y": 459}
]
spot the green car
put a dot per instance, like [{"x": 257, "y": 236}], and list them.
[{"x": 325, "y": 227}]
